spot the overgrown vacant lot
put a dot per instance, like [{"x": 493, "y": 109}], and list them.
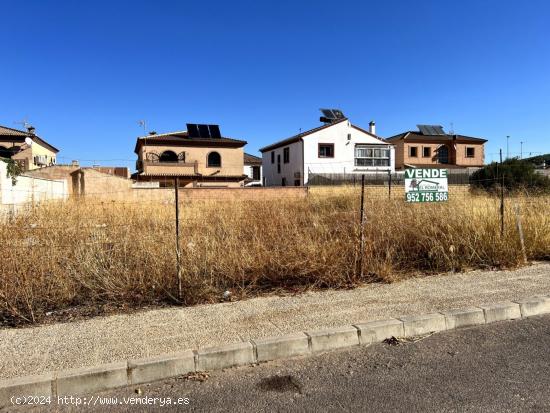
[{"x": 102, "y": 254}]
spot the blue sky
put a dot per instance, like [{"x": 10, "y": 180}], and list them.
[{"x": 84, "y": 73}]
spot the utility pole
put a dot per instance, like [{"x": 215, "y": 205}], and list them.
[{"x": 507, "y": 148}]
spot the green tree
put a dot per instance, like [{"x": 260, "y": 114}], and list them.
[
  {"x": 14, "y": 169},
  {"x": 516, "y": 175}
]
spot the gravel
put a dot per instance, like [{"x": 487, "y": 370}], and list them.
[{"x": 29, "y": 351}]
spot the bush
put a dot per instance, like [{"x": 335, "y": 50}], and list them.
[{"x": 516, "y": 175}]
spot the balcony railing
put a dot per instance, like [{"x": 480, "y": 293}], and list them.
[{"x": 142, "y": 165}]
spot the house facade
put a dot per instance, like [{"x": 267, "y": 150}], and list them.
[
  {"x": 431, "y": 147},
  {"x": 197, "y": 159},
  {"x": 252, "y": 170},
  {"x": 27, "y": 148},
  {"x": 337, "y": 147}
]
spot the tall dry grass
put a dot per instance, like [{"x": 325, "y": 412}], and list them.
[{"x": 77, "y": 253}]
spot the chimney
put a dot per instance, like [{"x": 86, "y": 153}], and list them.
[
  {"x": 372, "y": 127},
  {"x": 31, "y": 129}
]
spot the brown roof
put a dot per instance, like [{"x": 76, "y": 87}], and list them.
[
  {"x": 298, "y": 137},
  {"x": 182, "y": 138},
  {"x": 16, "y": 135},
  {"x": 416, "y": 135},
  {"x": 5, "y": 131},
  {"x": 251, "y": 159}
]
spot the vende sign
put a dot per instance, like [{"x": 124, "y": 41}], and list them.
[{"x": 426, "y": 185}]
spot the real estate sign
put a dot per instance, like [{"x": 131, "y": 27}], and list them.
[{"x": 426, "y": 185}]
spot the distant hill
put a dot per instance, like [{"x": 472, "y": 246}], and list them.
[{"x": 539, "y": 159}]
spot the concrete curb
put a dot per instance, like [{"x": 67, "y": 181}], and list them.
[{"x": 131, "y": 372}]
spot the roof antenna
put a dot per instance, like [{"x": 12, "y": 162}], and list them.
[
  {"x": 143, "y": 125},
  {"x": 23, "y": 122},
  {"x": 452, "y": 129}
]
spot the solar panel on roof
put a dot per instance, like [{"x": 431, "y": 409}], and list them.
[
  {"x": 193, "y": 130},
  {"x": 332, "y": 114},
  {"x": 431, "y": 129},
  {"x": 338, "y": 113},
  {"x": 215, "y": 131},
  {"x": 439, "y": 130},
  {"x": 328, "y": 113},
  {"x": 204, "y": 131}
]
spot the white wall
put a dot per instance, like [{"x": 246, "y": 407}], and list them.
[
  {"x": 28, "y": 189},
  {"x": 344, "y": 151},
  {"x": 248, "y": 172},
  {"x": 291, "y": 171}
]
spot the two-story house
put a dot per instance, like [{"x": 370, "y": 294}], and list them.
[
  {"x": 198, "y": 157},
  {"x": 431, "y": 146},
  {"x": 336, "y": 147},
  {"x": 27, "y": 148}
]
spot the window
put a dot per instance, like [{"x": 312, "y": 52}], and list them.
[
  {"x": 168, "y": 156},
  {"x": 272, "y": 156},
  {"x": 470, "y": 152},
  {"x": 326, "y": 150},
  {"x": 256, "y": 173},
  {"x": 426, "y": 151},
  {"x": 214, "y": 160},
  {"x": 372, "y": 155},
  {"x": 296, "y": 182},
  {"x": 283, "y": 182},
  {"x": 413, "y": 151},
  {"x": 279, "y": 163},
  {"x": 443, "y": 154},
  {"x": 286, "y": 155}
]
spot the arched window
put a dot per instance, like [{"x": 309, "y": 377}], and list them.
[
  {"x": 443, "y": 154},
  {"x": 168, "y": 156},
  {"x": 214, "y": 160}
]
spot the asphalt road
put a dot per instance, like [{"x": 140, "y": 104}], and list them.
[{"x": 502, "y": 367}]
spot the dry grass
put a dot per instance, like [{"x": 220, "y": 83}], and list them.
[{"x": 61, "y": 255}]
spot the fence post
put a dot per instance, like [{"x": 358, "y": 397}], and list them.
[
  {"x": 389, "y": 184},
  {"x": 501, "y": 197},
  {"x": 520, "y": 232},
  {"x": 178, "y": 252},
  {"x": 362, "y": 228}
]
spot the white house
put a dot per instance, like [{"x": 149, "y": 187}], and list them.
[
  {"x": 253, "y": 170},
  {"x": 337, "y": 147}
]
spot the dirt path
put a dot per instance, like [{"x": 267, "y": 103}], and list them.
[{"x": 35, "y": 350}]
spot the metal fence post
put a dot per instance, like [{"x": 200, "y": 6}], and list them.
[
  {"x": 178, "y": 251},
  {"x": 520, "y": 232},
  {"x": 501, "y": 197},
  {"x": 389, "y": 184},
  {"x": 362, "y": 228}
]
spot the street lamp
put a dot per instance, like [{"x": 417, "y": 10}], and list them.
[{"x": 521, "y": 150}]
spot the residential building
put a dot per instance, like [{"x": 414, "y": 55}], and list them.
[
  {"x": 336, "y": 147},
  {"x": 253, "y": 170},
  {"x": 432, "y": 147},
  {"x": 198, "y": 156},
  {"x": 27, "y": 148}
]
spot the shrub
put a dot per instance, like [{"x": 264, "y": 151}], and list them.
[{"x": 515, "y": 174}]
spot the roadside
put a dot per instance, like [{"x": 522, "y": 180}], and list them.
[
  {"x": 31, "y": 351},
  {"x": 501, "y": 367}
]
